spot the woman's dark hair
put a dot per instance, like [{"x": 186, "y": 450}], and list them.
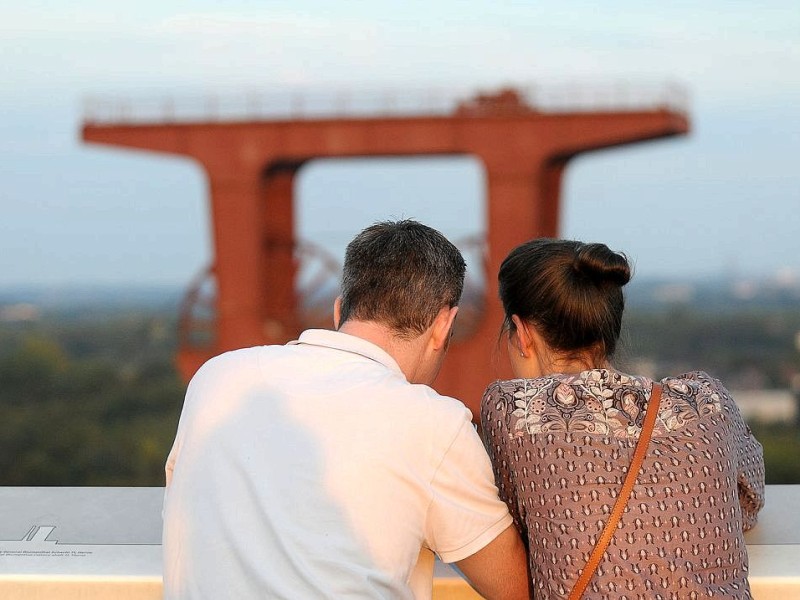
[{"x": 570, "y": 291}]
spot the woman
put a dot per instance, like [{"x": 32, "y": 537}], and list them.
[{"x": 562, "y": 436}]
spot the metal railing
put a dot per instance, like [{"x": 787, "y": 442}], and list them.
[
  {"x": 299, "y": 104},
  {"x": 318, "y": 282}
]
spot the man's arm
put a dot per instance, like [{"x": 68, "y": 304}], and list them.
[
  {"x": 500, "y": 569},
  {"x": 469, "y": 525}
]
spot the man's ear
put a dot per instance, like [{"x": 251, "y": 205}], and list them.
[
  {"x": 337, "y": 312},
  {"x": 442, "y": 327}
]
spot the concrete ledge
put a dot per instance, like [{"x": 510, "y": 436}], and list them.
[{"x": 99, "y": 543}]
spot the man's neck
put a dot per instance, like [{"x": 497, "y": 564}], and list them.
[{"x": 407, "y": 353}]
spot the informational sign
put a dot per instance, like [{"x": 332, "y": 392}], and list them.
[{"x": 80, "y": 532}]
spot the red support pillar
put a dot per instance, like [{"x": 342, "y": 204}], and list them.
[
  {"x": 278, "y": 266},
  {"x": 238, "y": 217},
  {"x": 551, "y": 174},
  {"x": 516, "y": 212}
]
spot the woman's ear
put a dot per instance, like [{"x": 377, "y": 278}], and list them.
[{"x": 524, "y": 340}]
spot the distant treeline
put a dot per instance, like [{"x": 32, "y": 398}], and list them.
[
  {"x": 88, "y": 401},
  {"x": 91, "y": 397},
  {"x": 754, "y": 349}
]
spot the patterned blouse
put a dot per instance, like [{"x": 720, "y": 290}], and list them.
[{"x": 561, "y": 445}]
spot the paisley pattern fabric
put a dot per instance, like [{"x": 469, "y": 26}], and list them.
[
  {"x": 561, "y": 446},
  {"x": 604, "y": 402}
]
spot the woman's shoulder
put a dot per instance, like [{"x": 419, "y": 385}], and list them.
[
  {"x": 695, "y": 384},
  {"x": 691, "y": 396}
]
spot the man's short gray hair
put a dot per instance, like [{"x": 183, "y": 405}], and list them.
[{"x": 400, "y": 274}]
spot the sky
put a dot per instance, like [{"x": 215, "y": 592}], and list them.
[{"x": 723, "y": 201}]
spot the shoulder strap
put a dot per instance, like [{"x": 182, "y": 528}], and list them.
[{"x": 627, "y": 487}]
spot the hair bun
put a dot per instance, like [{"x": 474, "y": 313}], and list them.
[{"x": 601, "y": 265}]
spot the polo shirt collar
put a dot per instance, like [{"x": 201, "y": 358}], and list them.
[{"x": 348, "y": 343}]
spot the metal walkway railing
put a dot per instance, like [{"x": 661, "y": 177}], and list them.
[{"x": 297, "y": 105}]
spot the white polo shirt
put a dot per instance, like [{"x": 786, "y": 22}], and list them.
[{"x": 315, "y": 470}]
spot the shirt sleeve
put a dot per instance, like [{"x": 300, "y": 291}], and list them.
[
  {"x": 749, "y": 463},
  {"x": 497, "y": 438},
  {"x": 465, "y": 513},
  {"x": 175, "y": 450}
]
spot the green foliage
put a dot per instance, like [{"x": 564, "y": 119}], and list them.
[
  {"x": 781, "y": 442},
  {"x": 745, "y": 350},
  {"x": 94, "y": 399},
  {"x": 88, "y": 402}
]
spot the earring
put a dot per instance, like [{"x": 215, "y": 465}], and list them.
[{"x": 522, "y": 354}]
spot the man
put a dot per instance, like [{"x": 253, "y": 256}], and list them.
[{"x": 327, "y": 468}]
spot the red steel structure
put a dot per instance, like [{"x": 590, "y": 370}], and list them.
[{"x": 251, "y": 161}]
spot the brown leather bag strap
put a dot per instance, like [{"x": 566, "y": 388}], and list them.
[{"x": 627, "y": 487}]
